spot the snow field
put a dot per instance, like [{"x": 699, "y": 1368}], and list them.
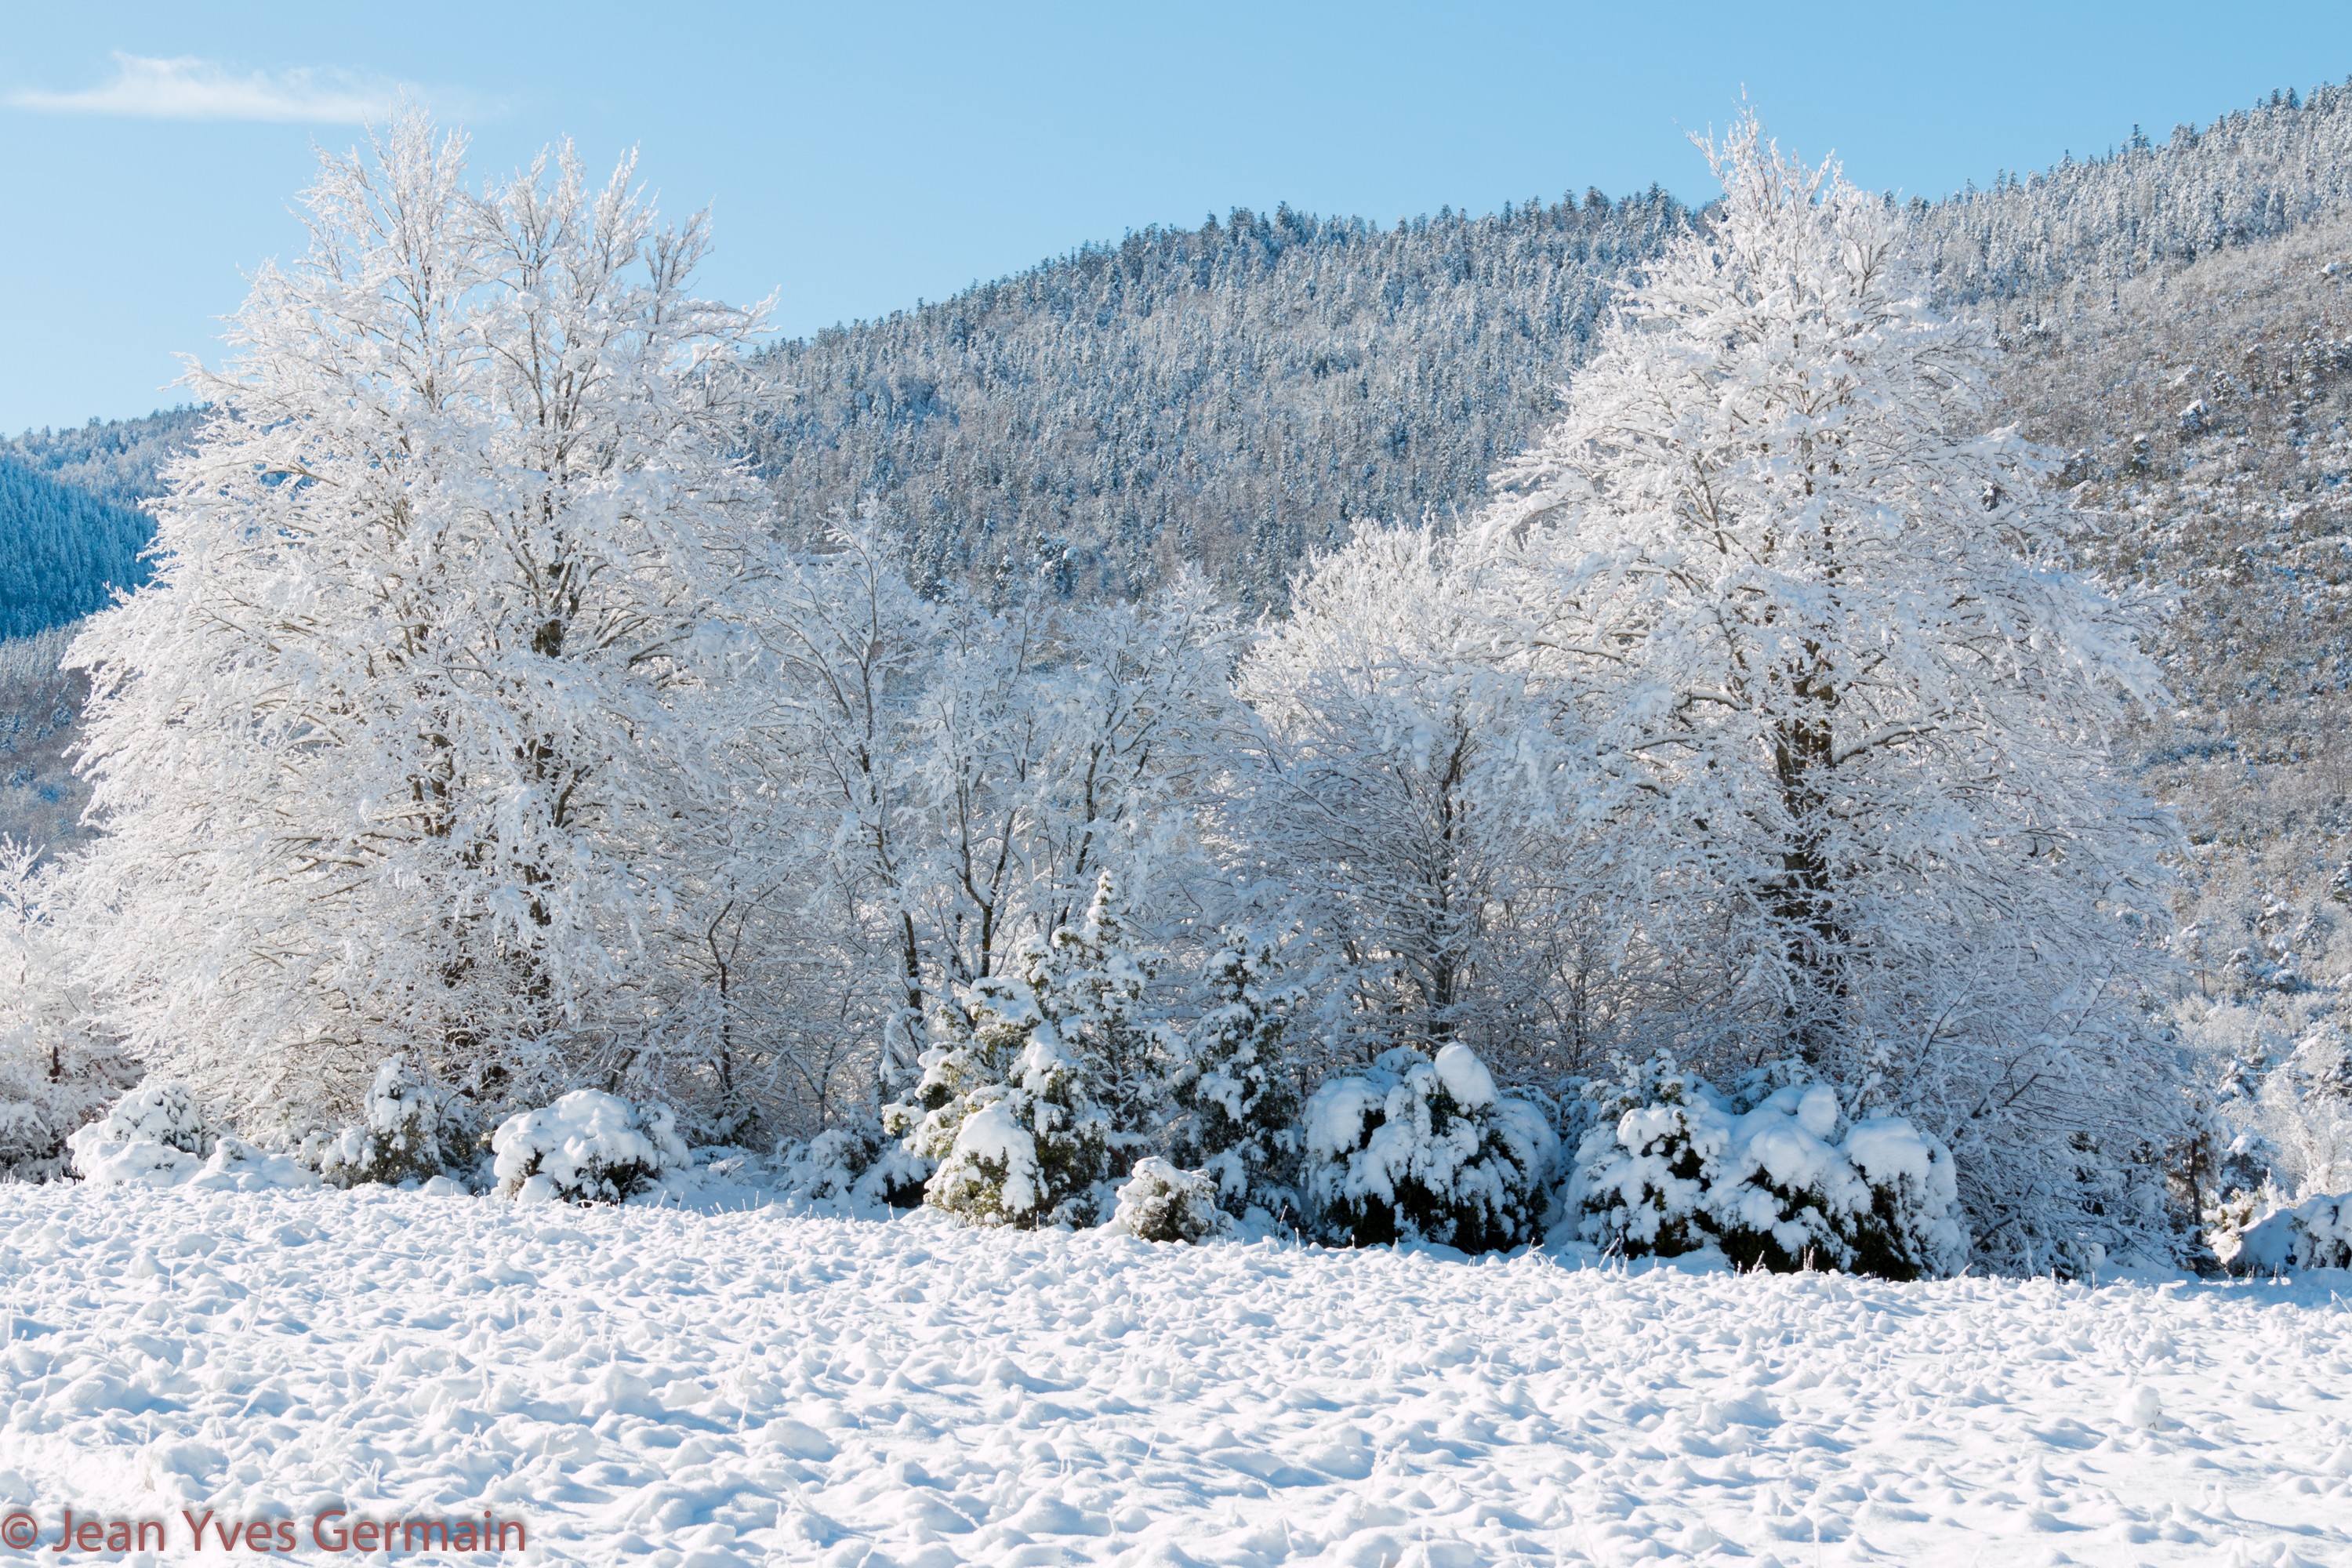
[{"x": 666, "y": 1387}]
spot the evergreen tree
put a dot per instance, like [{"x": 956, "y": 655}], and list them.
[
  {"x": 1049, "y": 1080},
  {"x": 1007, "y": 1111},
  {"x": 1237, "y": 1086}
]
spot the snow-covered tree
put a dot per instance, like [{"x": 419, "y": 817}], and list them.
[
  {"x": 1849, "y": 706},
  {"x": 1006, "y": 1111},
  {"x": 1397, "y": 802},
  {"x": 430, "y": 684},
  {"x": 1047, "y": 1079},
  {"x": 1094, "y": 981},
  {"x": 819, "y": 974},
  {"x": 57, "y": 1072},
  {"x": 949, "y": 780},
  {"x": 1237, "y": 1084},
  {"x": 1050, "y": 743}
]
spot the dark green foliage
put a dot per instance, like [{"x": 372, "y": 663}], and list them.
[{"x": 1236, "y": 1088}]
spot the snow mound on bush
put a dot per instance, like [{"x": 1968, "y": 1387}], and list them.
[
  {"x": 1415, "y": 1150},
  {"x": 1161, "y": 1202},
  {"x": 414, "y": 1130},
  {"x": 1682, "y": 1170},
  {"x": 2314, "y": 1234},
  {"x": 153, "y": 1137},
  {"x": 237, "y": 1166},
  {"x": 1466, "y": 1077},
  {"x": 990, "y": 1169},
  {"x": 859, "y": 1170},
  {"x": 588, "y": 1147}
]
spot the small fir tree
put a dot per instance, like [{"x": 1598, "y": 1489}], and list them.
[
  {"x": 1008, "y": 1113},
  {"x": 1042, "y": 1084},
  {"x": 1236, "y": 1089}
]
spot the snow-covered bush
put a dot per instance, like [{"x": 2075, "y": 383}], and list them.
[
  {"x": 414, "y": 1129},
  {"x": 154, "y": 1136},
  {"x": 1240, "y": 1104},
  {"x": 588, "y": 1147},
  {"x": 1161, "y": 1202},
  {"x": 56, "y": 1072},
  {"x": 1682, "y": 1169},
  {"x": 1040, "y": 1081},
  {"x": 2314, "y": 1234},
  {"x": 859, "y": 1169},
  {"x": 1416, "y": 1150},
  {"x": 1028, "y": 1148}
]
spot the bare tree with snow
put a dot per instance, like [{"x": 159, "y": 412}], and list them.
[
  {"x": 392, "y": 752},
  {"x": 1848, "y": 706}
]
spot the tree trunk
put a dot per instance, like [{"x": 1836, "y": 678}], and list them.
[{"x": 1813, "y": 939}]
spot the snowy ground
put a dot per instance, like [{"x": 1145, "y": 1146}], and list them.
[{"x": 648, "y": 1385}]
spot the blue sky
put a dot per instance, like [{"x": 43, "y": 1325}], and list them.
[{"x": 859, "y": 157}]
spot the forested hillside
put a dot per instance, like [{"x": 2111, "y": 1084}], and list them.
[
  {"x": 70, "y": 528},
  {"x": 2205, "y": 422},
  {"x": 1245, "y": 392},
  {"x": 71, "y": 534},
  {"x": 2049, "y": 245},
  {"x": 1236, "y": 395}
]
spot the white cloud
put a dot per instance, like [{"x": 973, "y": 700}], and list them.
[{"x": 145, "y": 88}]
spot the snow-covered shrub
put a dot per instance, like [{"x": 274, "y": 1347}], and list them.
[
  {"x": 1161, "y": 1202},
  {"x": 56, "y": 1071},
  {"x": 1027, "y": 1149},
  {"x": 589, "y": 1147},
  {"x": 1416, "y": 1150},
  {"x": 1040, "y": 1081},
  {"x": 154, "y": 1136},
  {"x": 2314, "y": 1234},
  {"x": 414, "y": 1129},
  {"x": 858, "y": 1169},
  {"x": 1681, "y": 1169},
  {"x": 1240, "y": 1104}
]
